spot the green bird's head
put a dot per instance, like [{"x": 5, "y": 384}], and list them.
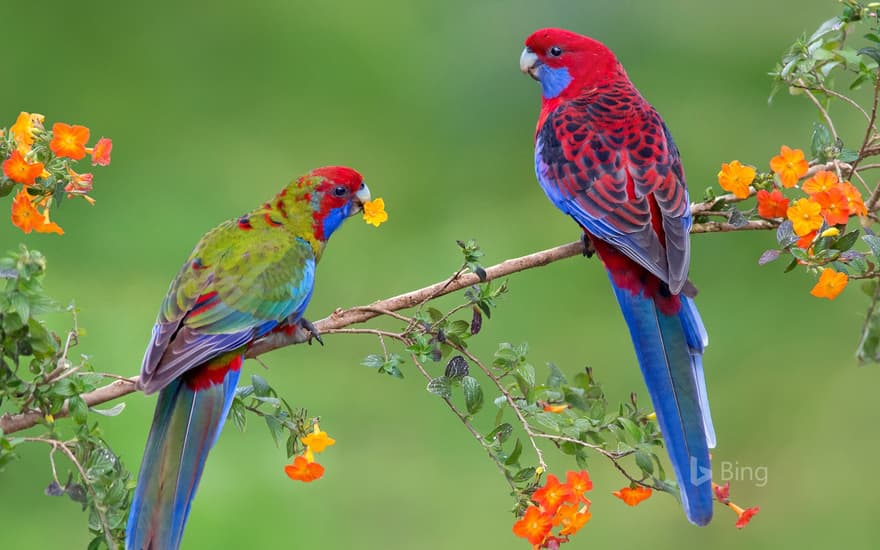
[{"x": 330, "y": 194}]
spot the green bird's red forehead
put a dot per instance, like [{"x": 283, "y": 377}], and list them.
[{"x": 339, "y": 175}]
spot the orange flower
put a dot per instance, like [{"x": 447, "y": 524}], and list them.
[
  {"x": 736, "y": 178},
  {"x": 318, "y": 440},
  {"x": 633, "y": 495},
  {"x": 579, "y": 483},
  {"x": 24, "y": 130},
  {"x": 571, "y": 519},
  {"x": 304, "y": 470},
  {"x": 19, "y": 170},
  {"x": 534, "y": 526},
  {"x": 835, "y": 206},
  {"x": 830, "y": 284},
  {"x": 821, "y": 181},
  {"x": 69, "y": 141},
  {"x": 790, "y": 165},
  {"x": 555, "y": 408},
  {"x": 806, "y": 240},
  {"x": 101, "y": 152},
  {"x": 805, "y": 216},
  {"x": 552, "y": 494},
  {"x": 772, "y": 205},
  {"x": 722, "y": 493},
  {"x": 80, "y": 184},
  {"x": 854, "y": 199},
  {"x": 744, "y": 516},
  {"x": 27, "y": 218}
]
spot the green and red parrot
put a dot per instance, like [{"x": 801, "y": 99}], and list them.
[
  {"x": 605, "y": 157},
  {"x": 245, "y": 278}
]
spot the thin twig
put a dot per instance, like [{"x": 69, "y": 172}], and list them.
[
  {"x": 531, "y": 434},
  {"x": 105, "y": 525}
]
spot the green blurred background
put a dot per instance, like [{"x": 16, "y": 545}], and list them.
[{"x": 212, "y": 107}]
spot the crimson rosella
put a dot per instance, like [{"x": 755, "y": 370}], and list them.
[
  {"x": 245, "y": 278},
  {"x": 604, "y": 157}
]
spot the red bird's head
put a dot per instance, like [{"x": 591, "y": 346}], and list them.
[
  {"x": 333, "y": 193},
  {"x": 566, "y": 63}
]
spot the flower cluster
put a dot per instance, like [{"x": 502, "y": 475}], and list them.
[
  {"x": 42, "y": 161},
  {"x": 556, "y": 504},
  {"x": 743, "y": 516},
  {"x": 821, "y": 215},
  {"x": 304, "y": 468}
]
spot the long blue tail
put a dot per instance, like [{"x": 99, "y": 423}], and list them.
[
  {"x": 186, "y": 425},
  {"x": 669, "y": 350}
]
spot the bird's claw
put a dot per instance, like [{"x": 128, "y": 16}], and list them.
[
  {"x": 313, "y": 332},
  {"x": 589, "y": 249}
]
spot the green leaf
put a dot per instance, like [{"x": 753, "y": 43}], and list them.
[
  {"x": 441, "y": 386},
  {"x": 261, "y": 387},
  {"x": 556, "y": 378},
  {"x": 514, "y": 454},
  {"x": 473, "y": 394},
  {"x": 643, "y": 461},
  {"x": 458, "y": 327},
  {"x": 821, "y": 140},
  {"x": 548, "y": 420},
  {"x": 631, "y": 428},
  {"x": 500, "y": 433},
  {"x": 275, "y": 428},
  {"x": 78, "y": 409},
  {"x": 525, "y": 377},
  {"x": 524, "y": 475},
  {"x": 873, "y": 241},
  {"x": 785, "y": 234},
  {"x": 872, "y": 52},
  {"x": 237, "y": 414},
  {"x": 374, "y": 361},
  {"x": 846, "y": 241}
]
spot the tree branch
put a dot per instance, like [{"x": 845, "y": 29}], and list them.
[{"x": 341, "y": 318}]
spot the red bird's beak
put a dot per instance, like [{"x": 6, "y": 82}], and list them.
[
  {"x": 529, "y": 63},
  {"x": 362, "y": 196}
]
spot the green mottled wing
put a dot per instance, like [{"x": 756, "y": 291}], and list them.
[{"x": 236, "y": 285}]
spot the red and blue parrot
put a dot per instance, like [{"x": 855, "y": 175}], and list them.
[
  {"x": 245, "y": 278},
  {"x": 604, "y": 157}
]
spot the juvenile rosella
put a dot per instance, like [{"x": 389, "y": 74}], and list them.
[
  {"x": 605, "y": 157},
  {"x": 246, "y": 277}
]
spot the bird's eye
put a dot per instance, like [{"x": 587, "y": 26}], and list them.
[
  {"x": 340, "y": 190},
  {"x": 555, "y": 51}
]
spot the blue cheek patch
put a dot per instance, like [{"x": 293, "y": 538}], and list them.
[
  {"x": 335, "y": 218},
  {"x": 554, "y": 81}
]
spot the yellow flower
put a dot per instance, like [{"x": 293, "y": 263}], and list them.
[
  {"x": 790, "y": 165},
  {"x": 318, "y": 440},
  {"x": 831, "y": 283},
  {"x": 736, "y": 178},
  {"x": 805, "y": 216},
  {"x": 374, "y": 212},
  {"x": 26, "y": 125}
]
